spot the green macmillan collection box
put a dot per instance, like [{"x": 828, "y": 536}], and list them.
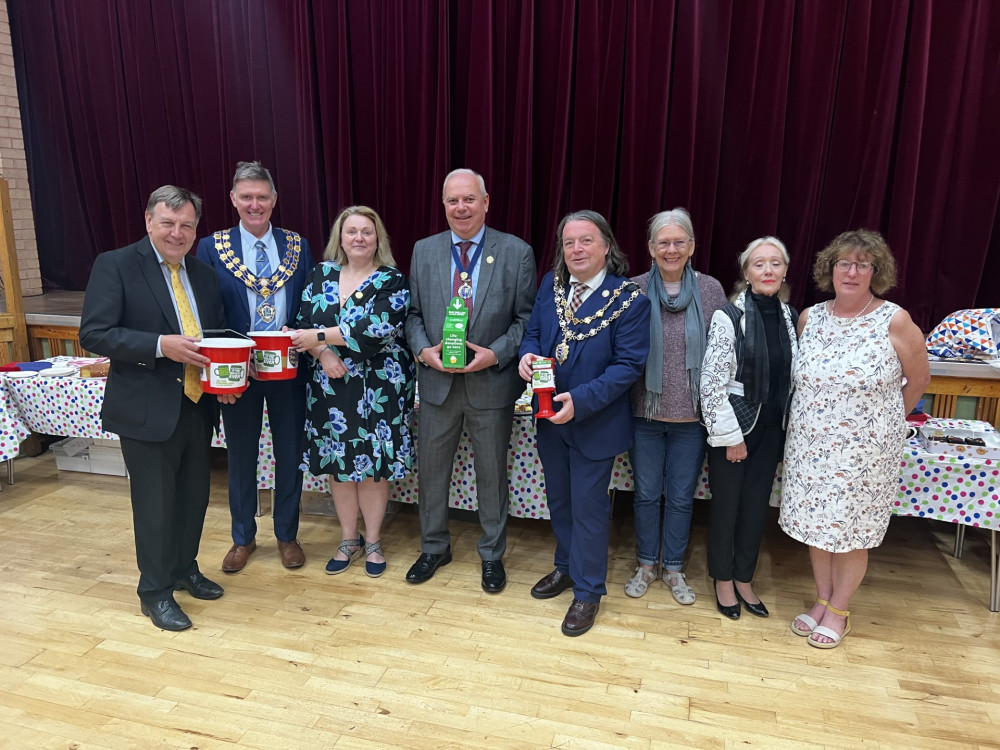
[{"x": 453, "y": 337}]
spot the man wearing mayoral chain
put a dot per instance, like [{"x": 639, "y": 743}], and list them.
[
  {"x": 262, "y": 271},
  {"x": 594, "y": 323},
  {"x": 493, "y": 274}
]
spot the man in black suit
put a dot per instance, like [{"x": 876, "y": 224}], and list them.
[{"x": 145, "y": 308}]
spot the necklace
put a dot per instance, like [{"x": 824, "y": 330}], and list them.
[
  {"x": 857, "y": 314},
  {"x": 566, "y": 318}
]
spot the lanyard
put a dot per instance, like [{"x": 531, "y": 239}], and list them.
[{"x": 473, "y": 259}]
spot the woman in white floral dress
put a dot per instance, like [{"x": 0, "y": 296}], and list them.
[{"x": 862, "y": 365}]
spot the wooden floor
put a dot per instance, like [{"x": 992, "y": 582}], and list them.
[{"x": 305, "y": 660}]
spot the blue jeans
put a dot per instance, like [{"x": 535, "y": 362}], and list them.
[{"x": 666, "y": 461}]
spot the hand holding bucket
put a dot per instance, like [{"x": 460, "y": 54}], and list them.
[
  {"x": 274, "y": 355},
  {"x": 226, "y": 372},
  {"x": 543, "y": 384}
]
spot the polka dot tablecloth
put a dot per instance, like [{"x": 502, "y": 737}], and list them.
[
  {"x": 944, "y": 488},
  {"x": 12, "y": 427},
  {"x": 949, "y": 488},
  {"x": 69, "y": 406}
]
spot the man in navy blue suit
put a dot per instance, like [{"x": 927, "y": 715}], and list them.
[
  {"x": 594, "y": 323},
  {"x": 262, "y": 271}
]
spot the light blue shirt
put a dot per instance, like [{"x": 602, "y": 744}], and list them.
[
  {"x": 186, "y": 283},
  {"x": 247, "y": 242},
  {"x": 476, "y": 248}
]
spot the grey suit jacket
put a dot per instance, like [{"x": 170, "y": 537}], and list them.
[{"x": 504, "y": 296}]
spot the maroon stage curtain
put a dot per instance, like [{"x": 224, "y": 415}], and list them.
[{"x": 800, "y": 119}]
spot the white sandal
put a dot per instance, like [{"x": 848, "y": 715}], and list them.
[
  {"x": 638, "y": 584},
  {"x": 683, "y": 593},
  {"x": 806, "y": 619},
  {"x": 834, "y": 636}
]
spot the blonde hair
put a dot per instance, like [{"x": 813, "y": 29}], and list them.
[{"x": 383, "y": 249}]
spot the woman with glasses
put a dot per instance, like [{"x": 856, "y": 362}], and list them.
[
  {"x": 745, "y": 392},
  {"x": 669, "y": 446},
  {"x": 862, "y": 366},
  {"x": 360, "y": 399}
]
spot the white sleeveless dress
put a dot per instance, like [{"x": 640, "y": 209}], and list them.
[{"x": 845, "y": 432}]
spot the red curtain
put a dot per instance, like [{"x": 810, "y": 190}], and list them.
[{"x": 800, "y": 119}]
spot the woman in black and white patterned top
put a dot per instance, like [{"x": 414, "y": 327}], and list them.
[{"x": 745, "y": 392}]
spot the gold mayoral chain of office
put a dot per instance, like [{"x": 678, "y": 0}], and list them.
[
  {"x": 267, "y": 286},
  {"x": 566, "y": 318}
]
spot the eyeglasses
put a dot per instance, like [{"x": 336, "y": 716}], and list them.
[
  {"x": 862, "y": 267},
  {"x": 665, "y": 244}
]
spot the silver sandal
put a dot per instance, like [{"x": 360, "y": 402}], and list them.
[
  {"x": 683, "y": 593},
  {"x": 373, "y": 569},
  {"x": 350, "y": 547},
  {"x": 638, "y": 584}
]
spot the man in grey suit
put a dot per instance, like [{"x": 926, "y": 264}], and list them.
[{"x": 495, "y": 273}]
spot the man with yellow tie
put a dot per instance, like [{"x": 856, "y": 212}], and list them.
[{"x": 146, "y": 308}]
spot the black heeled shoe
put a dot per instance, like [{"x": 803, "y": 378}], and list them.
[
  {"x": 755, "y": 609},
  {"x": 731, "y": 611}
]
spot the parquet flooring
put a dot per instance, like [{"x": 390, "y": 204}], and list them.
[{"x": 299, "y": 659}]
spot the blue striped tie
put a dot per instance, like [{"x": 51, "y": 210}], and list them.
[{"x": 263, "y": 272}]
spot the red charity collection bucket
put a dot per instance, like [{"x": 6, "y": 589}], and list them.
[
  {"x": 274, "y": 355},
  {"x": 227, "y": 370}
]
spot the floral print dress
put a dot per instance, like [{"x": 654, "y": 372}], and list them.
[
  {"x": 358, "y": 426},
  {"x": 845, "y": 432}
]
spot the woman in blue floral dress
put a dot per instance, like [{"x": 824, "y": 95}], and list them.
[{"x": 360, "y": 398}]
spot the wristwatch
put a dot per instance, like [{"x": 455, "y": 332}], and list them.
[{"x": 321, "y": 335}]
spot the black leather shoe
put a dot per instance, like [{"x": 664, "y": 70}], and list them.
[
  {"x": 494, "y": 576},
  {"x": 552, "y": 585},
  {"x": 755, "y": 609},
  {"x": 733, "y": 611},
  {"x": 423, "y": 569},
  {"x": 579, "y": 617},
  {"x": 166, "y": 615},
  {"x": 199, "y": 587}
]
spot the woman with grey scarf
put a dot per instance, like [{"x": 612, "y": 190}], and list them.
[{"x": 669, "y": 446}]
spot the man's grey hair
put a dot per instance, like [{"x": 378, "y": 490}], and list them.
[
  {"x": 253, "y": 170},
  {"x": 464, "y": 170},
  {"x": 174, "y": 198}
]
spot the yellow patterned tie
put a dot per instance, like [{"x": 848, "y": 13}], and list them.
[{"x": 192, "y": 373}]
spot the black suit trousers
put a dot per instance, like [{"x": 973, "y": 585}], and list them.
[
  {"x": 169, "y": 482},
  {"x": 739, "y": 505}
]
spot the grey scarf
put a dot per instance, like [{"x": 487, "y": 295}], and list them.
[{"x": 695, "y": 336}]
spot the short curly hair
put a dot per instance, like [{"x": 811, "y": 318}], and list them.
[{"x": 871, "y": 245}]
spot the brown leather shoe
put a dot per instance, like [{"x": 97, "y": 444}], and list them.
[
  {"x": 579, "y": 618},
  {"x": 291, "y": 553},
  {"x": 552, "y": 585},
  {"x": 236, "y": 558}
]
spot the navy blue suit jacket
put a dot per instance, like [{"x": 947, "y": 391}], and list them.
[
  {"x": 600, "y": 370},
  {"x": 234, "y": 291}
]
